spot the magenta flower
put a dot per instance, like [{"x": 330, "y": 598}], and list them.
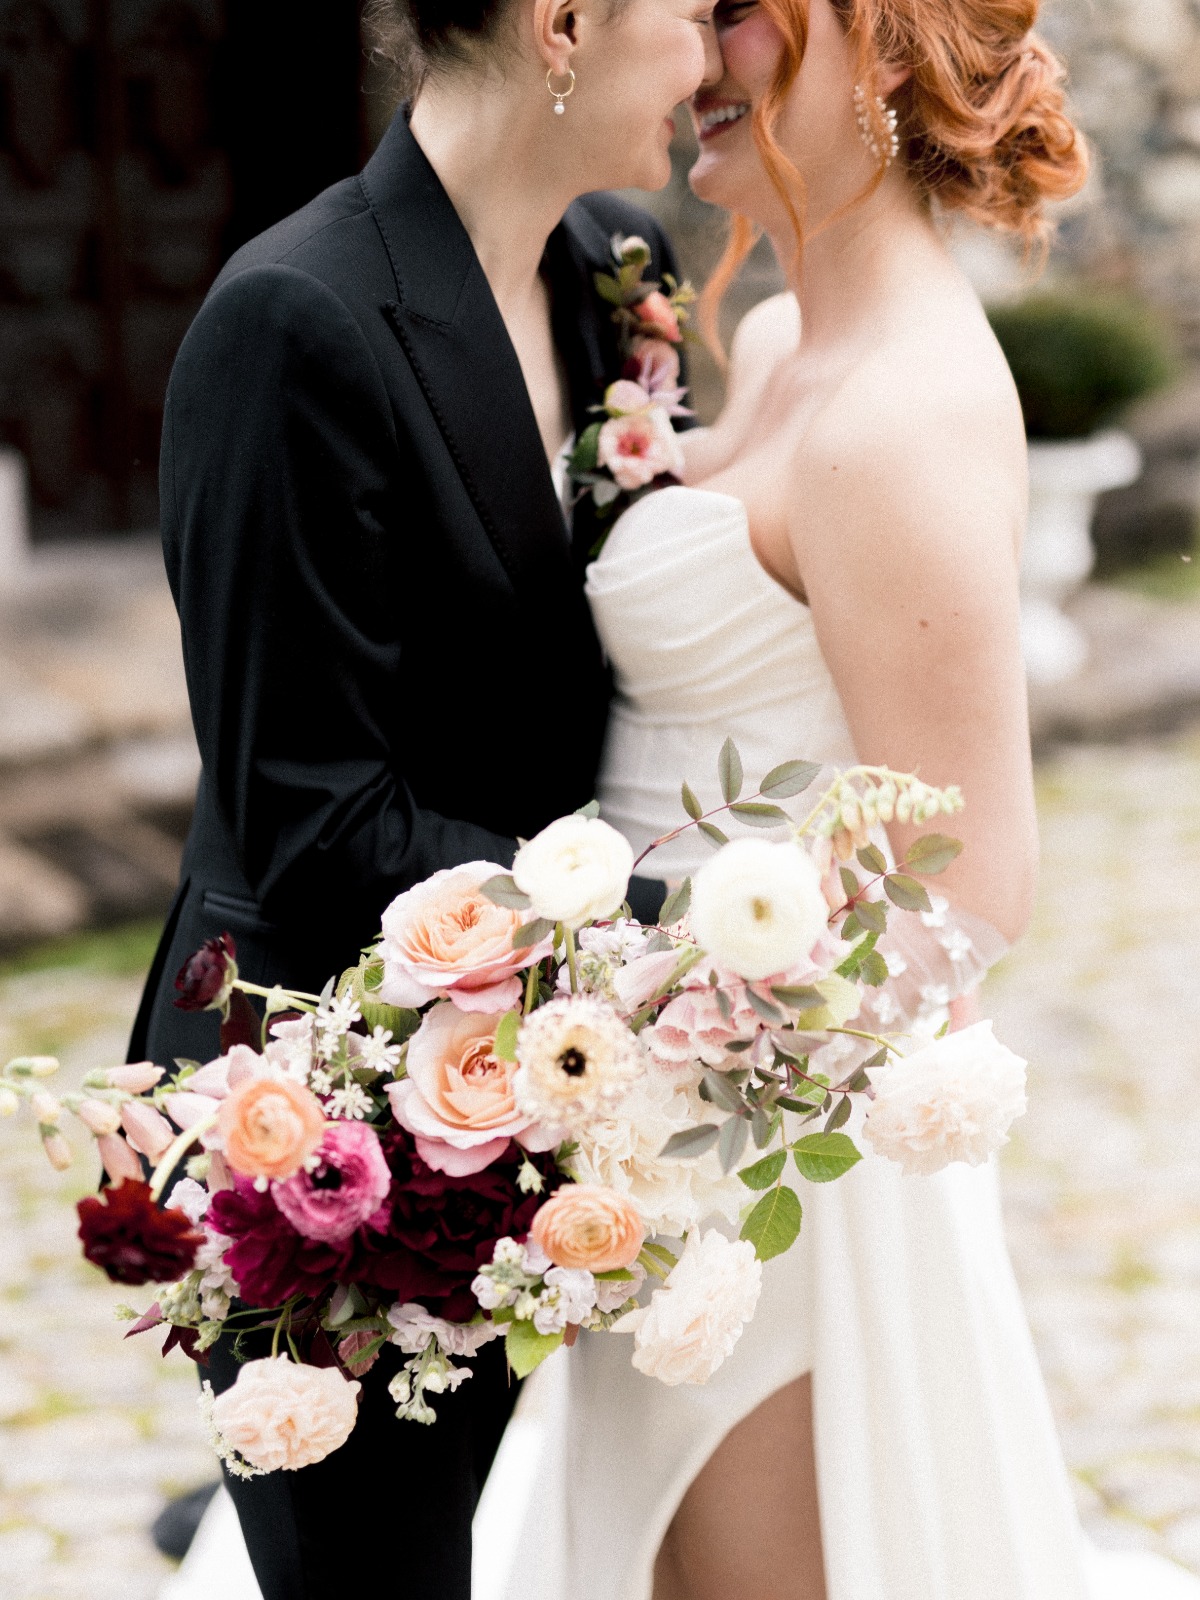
[{"x": 349, "y": 1184}]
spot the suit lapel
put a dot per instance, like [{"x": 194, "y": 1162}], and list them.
[{"x": 452, "y": 332}]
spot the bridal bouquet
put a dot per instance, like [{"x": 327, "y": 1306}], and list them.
[{"x": 522, "y": 1113}]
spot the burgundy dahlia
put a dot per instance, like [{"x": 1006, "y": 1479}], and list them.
[
  {"x": 205, "y": 980},
  {"x": 133, "y": 1239},
  {"x": 269, "y": 1259}
]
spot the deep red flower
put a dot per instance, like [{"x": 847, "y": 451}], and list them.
[
  {"x": 425, "y": 1243},
  {"x": 133, "y": 1239},
  {"x": 205, "y": 979}
]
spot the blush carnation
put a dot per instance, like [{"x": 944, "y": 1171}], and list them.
[
  {"x": 694, "y": 1321},
  {"x": 952, "y": 1100},
  {"x": 349, "y": 1184},
  {"x": 281, "y": 1415},
  {"x": 134, "y": 1240},
  {"x": 444, "y": 939}
]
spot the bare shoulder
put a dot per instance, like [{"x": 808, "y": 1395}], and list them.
[
  {"x": 924, "y": 437},
  {"x": 766, "y": 335}
]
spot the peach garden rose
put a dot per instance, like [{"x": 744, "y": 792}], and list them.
[
  {"x": 281, "y": 1415},
  {"x": 445, "y": 939},
  {"x": 589, "y": 1225},
  {"x": 457, "y": 1100}
]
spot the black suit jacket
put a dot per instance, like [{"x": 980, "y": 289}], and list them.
[{"x": 391, "y": 663}]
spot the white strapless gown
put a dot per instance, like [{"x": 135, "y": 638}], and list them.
[{"x": 940, "y": 1471}]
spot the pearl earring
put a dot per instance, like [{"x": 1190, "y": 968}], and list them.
[
  {"x": 867, "y": 125},
  {"x": 559, "y": 97}
]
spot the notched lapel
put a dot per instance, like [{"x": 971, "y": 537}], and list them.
[{"x": 450, "y": 327}]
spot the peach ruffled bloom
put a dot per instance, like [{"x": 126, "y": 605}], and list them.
[
  {"x": 636, "y": 449},
  {"x": 281, "y": 1415},
  {"x": 658, "y": 316},
  {"x": 587, "y": 1225},
  {"x": 446, "y": 940},
  {"x": 269, "y": 1127},
  {"x": 457, "y": 1100}
]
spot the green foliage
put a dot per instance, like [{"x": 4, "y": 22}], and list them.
[
  {"x": 531, "y": 933},
  {"x": 729, "y": 770},
  {"x": 690, "y": 1142},
  {"x": 821, "y": 1157},
  {"x": 676, "y": 904},
  {"x": 789, "y": 778},
  {"x": 774, "y": 1224},
  {"x": 1078, "y": 359},
  {"x": 906, "y": 892},
  {"x": 932, "y": 853},
  {"x": 766, "y": 1172},
  {"x": 526, "y": 1348},
  {"x": 505, "y": 1046}
]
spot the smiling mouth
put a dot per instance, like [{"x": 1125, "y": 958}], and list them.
[{"x": 719, "y": 118}]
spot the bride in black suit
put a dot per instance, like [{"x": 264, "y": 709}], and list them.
[{"x": 381, "y": 602}]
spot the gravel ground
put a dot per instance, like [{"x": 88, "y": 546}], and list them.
[{"x": 1102, "y": 1187}]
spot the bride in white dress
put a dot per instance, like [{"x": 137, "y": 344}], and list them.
[{"x": 839, "y": 580}]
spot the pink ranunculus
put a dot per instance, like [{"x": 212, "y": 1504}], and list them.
[
  {"x": 658, "y": 316},
  {"x": 623, "y": 398},
  {"x": 653, "y": 364},
  {"x": 693, "y": 1027},
  {"x": 457, "y": 1100},
  {"x": 637, "y": 448},
  {"x": 349, "y": 1184},
  {"x": 444, "y": 939}
]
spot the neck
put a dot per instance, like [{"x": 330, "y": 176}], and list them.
[
  {"x": 492, "y": 160},
  {"x": 850, "y": 261}
]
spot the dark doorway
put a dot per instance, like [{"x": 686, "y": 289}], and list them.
[{"x": 141, "y": 141}]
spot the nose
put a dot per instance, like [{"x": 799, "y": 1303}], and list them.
[{"x": 714, "y": 62}]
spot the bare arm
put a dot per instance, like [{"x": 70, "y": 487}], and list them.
[{"x": 908, "y": 552}]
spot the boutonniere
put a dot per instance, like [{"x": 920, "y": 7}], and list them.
[{"x": 633, "y": 447}]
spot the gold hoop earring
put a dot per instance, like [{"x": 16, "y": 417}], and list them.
[{"x": 559, "y": 108}]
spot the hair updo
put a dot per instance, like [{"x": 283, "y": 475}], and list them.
[
  {"x": 981, "y": 119},
  {"x": 411, "y": 37}
]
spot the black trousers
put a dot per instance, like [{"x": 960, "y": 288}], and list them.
[{"x": 392, "y": 1507}]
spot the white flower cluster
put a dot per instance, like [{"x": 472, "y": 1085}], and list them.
[
  {"x": 429, "y": 1372},
  {"x": 208, "y": 1291},
  {"x": 414, "y": 1327},
  {"x": 603, "y": 952},
  {"x": 523, "y": 1278},
  {"x": 622, "y": 1151}
]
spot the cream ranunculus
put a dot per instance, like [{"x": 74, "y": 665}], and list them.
[
  {"x": 757, "y": 907},
  {"x": 693, "y": 1322},
  {"x": 281, "y": 1415},
  {"x": 952, "y": 1100},
  {"x": 574, "y": 871}
]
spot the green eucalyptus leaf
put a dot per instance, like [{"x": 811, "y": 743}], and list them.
[
  {"x": 774, "y": 1224},
  {"x": 873, "y": 969},
  {"x": 721, "y": 1092},
  {"x": 822, "y": 1157},
  {"x": 505, "y": 1046},
  {"x": 906, "y": 892},
  {"x": 851, "y": 928},
  {"x": 676, "y": 904},
  {"x": 712, "y": 833},
  {"x": 526, "y": 1348},
  {"x": 872, "y": 858},
  {"x": 690, "y": 804},
  {"x": 763, "y": 1126},
  {"x": 789, "y": 778},
  {"x": 591, "y": 810},
  {"x": 758, "y": 813},
  {"x": 691, "y": 1142},
  {"x": 765, "y": 1172},
  {"x": 531, "y": 933},
  {"x": 729, "y": 770},
  {"x": 502, "y": 891},
  {"x": 732, "y": 1143},
  {"x": 798, "y": 996},
  {"x": 839, "y": 1115},
  {"x": 764, "y": 1008},
  {"x": 932, "y": 853},
  {"x": 872, "y": 914},
  {"x": 850, "y": 883}
]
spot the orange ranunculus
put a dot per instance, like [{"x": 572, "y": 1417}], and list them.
[
  {"x": 588, "y": 1225},
  {"x": 269, "y": 1127}
]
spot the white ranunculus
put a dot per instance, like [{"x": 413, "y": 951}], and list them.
[
  {"x": 952, "y": 1100},
  {"x": 757, "y": 907},
  {"x": 693, "y": 1322},
  {"x": 574, "y": 871}
]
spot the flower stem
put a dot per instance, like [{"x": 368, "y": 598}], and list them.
[
  {"x": 299, "y": 995},
  {"x": 531, "y": 988},
  {"x": 569, "y": 941},
  {"x": 174, "y": 1151}
]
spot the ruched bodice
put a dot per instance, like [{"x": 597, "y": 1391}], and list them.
[{"x": 703, "y": 643}]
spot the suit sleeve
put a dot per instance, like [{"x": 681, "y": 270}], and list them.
[{"x": 285, "y": 545}]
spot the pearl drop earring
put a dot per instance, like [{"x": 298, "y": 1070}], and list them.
[{"x": 867, "y": 125}]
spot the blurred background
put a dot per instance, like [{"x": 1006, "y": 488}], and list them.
[{"x": 140, "y": 142}]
